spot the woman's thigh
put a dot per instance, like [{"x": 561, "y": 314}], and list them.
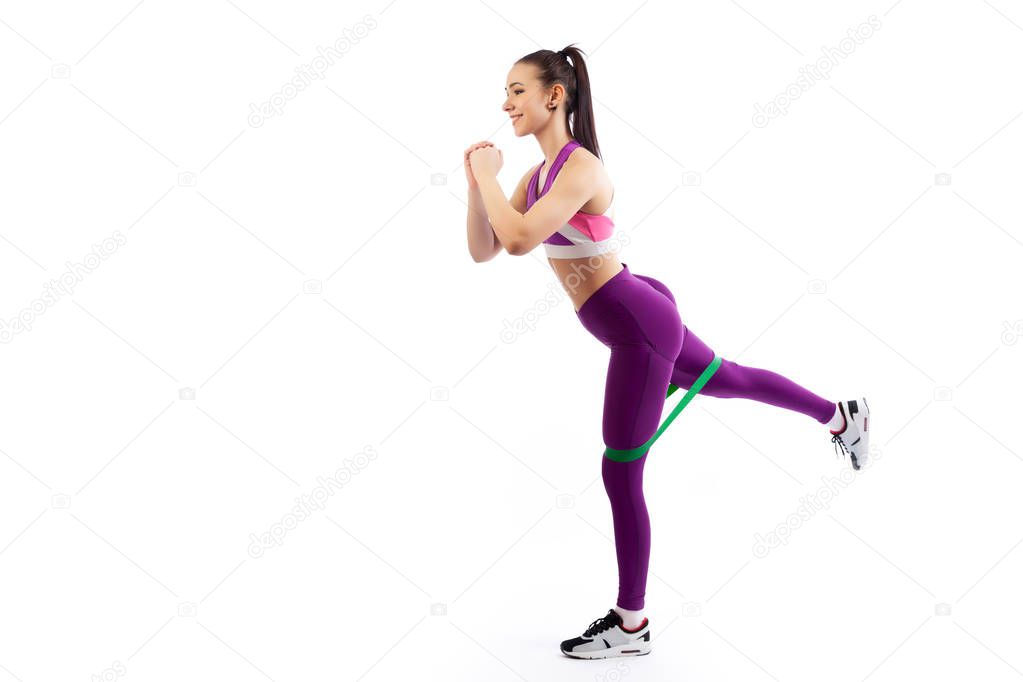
[
  {"x": 642, "y": 327},
  {"x": 634, "y": 395},
  {"x": 693, "y": 358}
]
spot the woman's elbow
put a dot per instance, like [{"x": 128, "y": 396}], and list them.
[
  {"x": 522, "y": 243},
  {"x": 518, "y": 248}
]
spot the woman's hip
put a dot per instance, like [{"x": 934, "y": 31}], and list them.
[{"x": 631, "y": 310}]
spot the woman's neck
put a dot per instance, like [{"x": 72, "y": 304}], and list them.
[{"x": 551, "y": 143}]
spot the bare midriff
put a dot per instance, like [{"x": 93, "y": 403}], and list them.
[{"x": 581, "y": 277}]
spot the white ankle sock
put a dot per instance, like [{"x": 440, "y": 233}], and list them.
[
  {"x": 630, "y": 619},
  {"x": 837, "y": 420}
]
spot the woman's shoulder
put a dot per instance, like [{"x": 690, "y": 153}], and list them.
[
  {"x": 582, "y": 160},
  {"x": 582, "y": 155},
  {"x": 589, "y": 169}
]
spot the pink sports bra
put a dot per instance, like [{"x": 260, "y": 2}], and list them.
[{"x": 585, "y": 234}]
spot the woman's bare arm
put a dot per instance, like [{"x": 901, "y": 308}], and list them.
[
  {"x": 521, "y": 231},
  {"x": 483, "y": 242}
]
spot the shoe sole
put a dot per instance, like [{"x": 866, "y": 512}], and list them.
[{"x": 630, "y": 649}]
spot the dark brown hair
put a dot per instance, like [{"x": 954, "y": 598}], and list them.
[{"x": 554, "y": 68}]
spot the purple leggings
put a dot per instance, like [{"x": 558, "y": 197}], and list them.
[{"x": 636, "y": 317}]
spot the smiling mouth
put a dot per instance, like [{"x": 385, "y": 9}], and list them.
[{"x": 516, "y": 118}]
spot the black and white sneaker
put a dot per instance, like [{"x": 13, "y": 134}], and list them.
[
  {"x": 854, "y": 435},
  {"x": 607, "y": 637}
]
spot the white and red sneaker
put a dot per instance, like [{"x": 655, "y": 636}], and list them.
[{"x": 854, "y": 434}]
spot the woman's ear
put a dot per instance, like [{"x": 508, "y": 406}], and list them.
[{"x": 557, "y": 95}]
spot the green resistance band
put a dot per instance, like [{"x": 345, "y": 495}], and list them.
[{"x": 636, "y": 453}]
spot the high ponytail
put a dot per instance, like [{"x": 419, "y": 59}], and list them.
[{"x": 568, "y": 67}]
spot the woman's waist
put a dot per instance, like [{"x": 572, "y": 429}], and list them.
[{"x": 583, "y": 277}]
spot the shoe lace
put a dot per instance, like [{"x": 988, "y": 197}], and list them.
[
  {"x": 603, "y": 623},
  {"x": 837, "y": 439}
]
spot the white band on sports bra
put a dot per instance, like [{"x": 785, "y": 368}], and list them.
[{"x": 583, "y": 250}]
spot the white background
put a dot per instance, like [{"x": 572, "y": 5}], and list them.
[{"x": 128, "y": 510}]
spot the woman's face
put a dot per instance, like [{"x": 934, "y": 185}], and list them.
[{"x": 526, "y": 101}]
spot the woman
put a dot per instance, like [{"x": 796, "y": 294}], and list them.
[{"x": 565, "y": 203}]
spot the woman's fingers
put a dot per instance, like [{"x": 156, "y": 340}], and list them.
[
  {"x": 474, "y": 147},
  {"x": 478, "y": 145}
]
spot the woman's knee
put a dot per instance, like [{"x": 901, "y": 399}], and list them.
[{"x": 731, "y": 380}]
